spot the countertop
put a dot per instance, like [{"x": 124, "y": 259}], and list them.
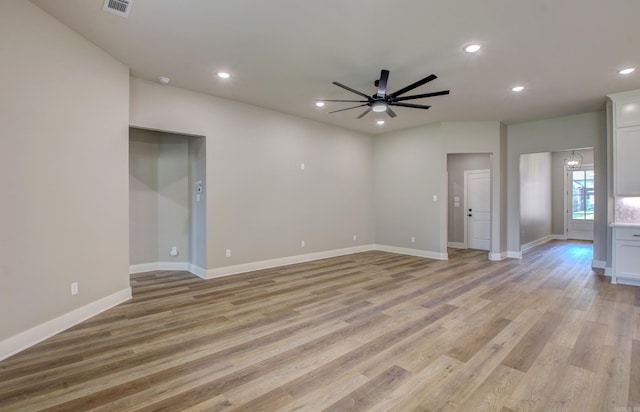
[{"x": 625, "y": 224}]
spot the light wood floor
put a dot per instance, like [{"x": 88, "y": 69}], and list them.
[{"x": 371, "y": 331}]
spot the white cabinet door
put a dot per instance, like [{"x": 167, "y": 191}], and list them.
[
  {"x": 627, "y": 161},
  {"x": 626, "y": 256},
  {"x": 628, "y": 111}
]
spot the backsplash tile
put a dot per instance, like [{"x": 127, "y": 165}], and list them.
[{"x": 627, "y": 210}]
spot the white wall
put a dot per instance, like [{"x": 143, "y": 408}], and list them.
[
  {"x": 407, "y": 174},
  {"x": 260, "y": 204},
  {"x": 63, "y": 170},
  {"x": 411, "y": 167},
  {"x": 552, "y": 135},
  {"x": 174, "y": 214},
  {"x": 198, "y": 172},
  {"x": 143, "y": 197},
  {"x": 482, "y": 137},
  {"x": 535, "y": 197}
]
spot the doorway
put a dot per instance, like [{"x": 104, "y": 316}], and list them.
[
  {"x": 580, "y": 203},
  {"x": 461, "y": 167},
  {"x": 167, "y": 204}
]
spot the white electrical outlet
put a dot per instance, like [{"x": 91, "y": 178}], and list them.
[
  {"x": 74, "y": 288},
  {"x": 302, "y": 244},
  {"x": 228, "y": 253},
  {"x": 413, "y": 239},
  {"x": 173, "y": 251}
]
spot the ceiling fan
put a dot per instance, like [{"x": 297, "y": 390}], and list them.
[{"x": 382, "y": 102}]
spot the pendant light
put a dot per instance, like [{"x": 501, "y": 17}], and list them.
[{"x": 573, "y": 161}]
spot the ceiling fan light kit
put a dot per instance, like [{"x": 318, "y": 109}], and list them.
[
  {"x": 379, "y": 107},
  {"x": 382, "y": 102}
]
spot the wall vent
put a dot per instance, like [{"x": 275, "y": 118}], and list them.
[{"x": 119, "y": 7}]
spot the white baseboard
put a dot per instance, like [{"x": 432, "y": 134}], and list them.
[
  {"x": 598, "y": 264},
  {"x": 456, "y": 245},
  {"x": 608, "y": 271},
  {"x": 271, "y": 263},
  {"x": 30, "y": 337},
  {"x": 413, "y": 252},
  {"x": 198, "y": 271},
  {"x": 536, "y": 242},
  {"x": 498, "y": 255},
  {"x": 289, "y": 260},
  {"x": 628, "y": 281},
  {"x": 514, "y": 254}
]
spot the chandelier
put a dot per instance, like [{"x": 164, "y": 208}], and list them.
[{"x": 573, "y": 161}]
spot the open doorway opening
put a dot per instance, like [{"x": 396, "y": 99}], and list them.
[
  {"x": 556, "y": 202},
  {"x": 167, "y": 203}
]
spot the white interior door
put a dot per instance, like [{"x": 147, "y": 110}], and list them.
[
  {"x": 478, "y": 208},
  {"x": 580, "y": 203}
]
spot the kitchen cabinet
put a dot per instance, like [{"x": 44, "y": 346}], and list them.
[
  {"x": 626, "y": 255},
  {"x": 625, "y": 125}
]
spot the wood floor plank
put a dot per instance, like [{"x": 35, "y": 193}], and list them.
[
  {"x": 538, "y": 383},
  {"x": 587, "y": 349},
  {"x": 571, "y": 390},
  {"x": 611, "y": 387},
  {"x": 494, "y": 391},
  {"x": 527, "y": 351},
  {"x": 634, "y": 378},
  {"x": 636, "y": 323},
  {"x": 372, "y": 331},
  {"x": 368, "y": 394}
]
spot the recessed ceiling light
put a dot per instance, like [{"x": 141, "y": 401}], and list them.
[
  {"x": 164, "y": 80},
  {"x": 380, "y": 122},
  {"x": 224, "y": 75},
  {"x": 473, "y": 48},
  {"x": 517, "y": 88},
  {"x": 627, "y": 70},
  {"x": 320, "y": 104}
]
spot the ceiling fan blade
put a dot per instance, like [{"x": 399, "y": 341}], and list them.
[
  {"x": 344, "y": 101},
  {"x": 382, "y": 83},
  {"x": 415, "y": 106},
  {"x": 351, "y": 90},
  {"x": 348, "y": 108},
  {"x": 420, "y": 96},
  {"x": 413, "y": 85},
  {"x": 390, "y": 112},
  {"x": 362, "y": 115}
]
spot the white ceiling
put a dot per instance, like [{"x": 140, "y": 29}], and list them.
[{"x": 284, "y": 54}]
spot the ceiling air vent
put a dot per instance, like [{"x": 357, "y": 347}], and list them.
[{"x": 119, "y": 7}]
